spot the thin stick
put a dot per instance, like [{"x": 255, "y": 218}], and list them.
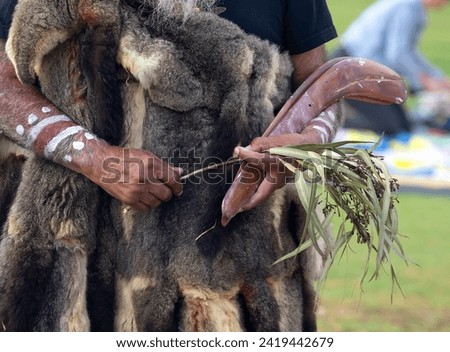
[
  {"x": 205, "y": 232},
  {"x": 210, "y": 167}
]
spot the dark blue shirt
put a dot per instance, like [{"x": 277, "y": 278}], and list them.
[
  {"x": 294, "y": 25},
  {"x": 6, "y": 10}
]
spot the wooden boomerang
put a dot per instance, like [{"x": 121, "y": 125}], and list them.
[{"x": 346, "y": 77}]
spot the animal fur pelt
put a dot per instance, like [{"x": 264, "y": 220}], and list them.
[
  {"x": 73, "y": 260},
  {"x": 11, "y": 162}
]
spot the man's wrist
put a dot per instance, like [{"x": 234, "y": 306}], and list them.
[
  {"x": 83, "y": 153},
  {"x": 62, "y": 141}
]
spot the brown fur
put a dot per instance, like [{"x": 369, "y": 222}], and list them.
[{"x": 11, "y": 162}]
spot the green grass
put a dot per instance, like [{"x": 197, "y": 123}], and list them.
[
  {"x": 425, "y": 219},
  {"x": 425, "y": 306}
]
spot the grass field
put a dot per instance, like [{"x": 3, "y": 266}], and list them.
[
  {"x": 425, "y": 306},
  {"x": 425, "y": 219}
]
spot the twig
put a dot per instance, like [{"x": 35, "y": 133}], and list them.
[
  {"x": 233, "y": 160},
  {"x": 205, "y": 232}
]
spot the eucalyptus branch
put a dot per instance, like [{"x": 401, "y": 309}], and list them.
[{"x": 357, "y": 186}]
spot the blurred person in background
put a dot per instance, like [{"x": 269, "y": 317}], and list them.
[{"x": 389, "y": 32}]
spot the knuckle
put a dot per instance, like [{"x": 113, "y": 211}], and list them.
[
  {"x": 155, "y": 203},
  {"x": 256, "y": 143},
  {"x": 168, "y": 196},
  {"x": 256, "y": 140}
]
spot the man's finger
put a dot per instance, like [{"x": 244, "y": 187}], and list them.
[
  {"x": 149, "y": 200},
  {"x": 266, "y": 162},
  {"x": 170, "y": 176},
  {"x": 267, "y": 187},
  {"x": 265, "y": 143},
  {"x": 174, "y": 184},
  {"x": 159, "y": 190},
  {"x": 263, "y": 161}
]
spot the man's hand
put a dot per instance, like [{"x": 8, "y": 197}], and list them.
[
  {"x": 273, "y": 173},
  {"x": 136, "y": 177},
  {"x": 273, "y": 170}
]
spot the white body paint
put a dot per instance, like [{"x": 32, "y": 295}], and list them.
[
  {"x": 36, "y": 130},
  {"x": 20, "y": 130},
  {"x": 53, "y": 144},
  {"x": 32, "y": 119},
  {"x": 77, "y": 145}
]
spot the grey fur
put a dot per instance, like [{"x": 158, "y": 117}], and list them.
[
  {"x": 207, "y": 87},
  {"x": 52, "y": 226}
]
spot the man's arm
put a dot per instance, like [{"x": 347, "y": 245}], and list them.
[
  {"x": 321, "y": 129},
  {"x": 30, "y": 120}
]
